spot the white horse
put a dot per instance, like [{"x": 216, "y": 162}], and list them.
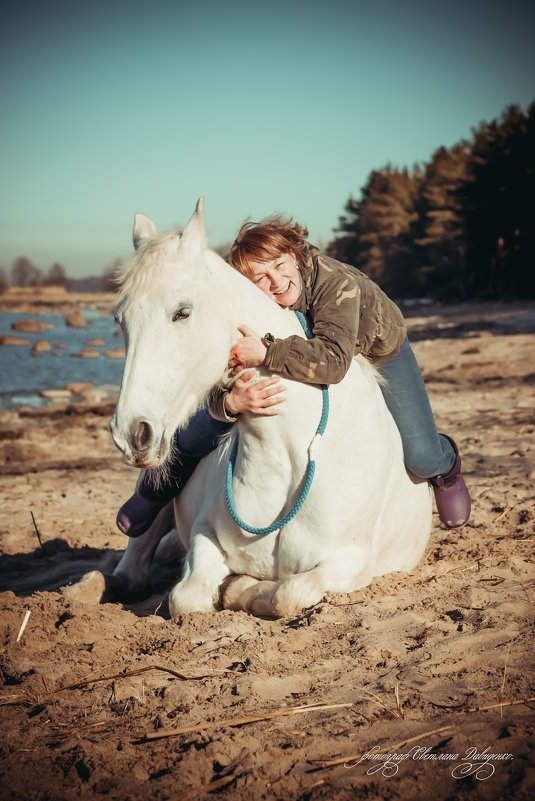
[{"x": 364, "y": 516}]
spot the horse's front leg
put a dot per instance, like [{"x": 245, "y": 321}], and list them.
[
  {"x": 273, "y": 598},
  {"x": 130, "y": 579},
  {"x": 204, "y": 572},
  {"x": 343, "y": 571}
]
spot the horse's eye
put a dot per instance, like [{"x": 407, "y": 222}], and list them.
[{"x": 182, "y": 313}]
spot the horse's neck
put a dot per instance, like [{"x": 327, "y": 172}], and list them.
[
  {"x": 297, "y": 418},
  {"x": 284, "y": 437},
  {"x": 273, "y": 451}
]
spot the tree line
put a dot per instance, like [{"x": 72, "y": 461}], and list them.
[
  {"x": 24, "y": 273},
  {"x": 461, "y": 226}
]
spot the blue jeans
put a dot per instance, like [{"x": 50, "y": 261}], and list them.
[
  {"x": 426, "y": 452},
  {"x": 201, "y": 436}
]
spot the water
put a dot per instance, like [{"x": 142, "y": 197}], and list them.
[{"x": 22, "y": 375}]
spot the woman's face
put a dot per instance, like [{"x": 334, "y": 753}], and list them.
[{"x": 279, "y": 279}]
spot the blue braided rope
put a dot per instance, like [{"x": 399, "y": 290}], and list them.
[{"x": 309, "y": 474}]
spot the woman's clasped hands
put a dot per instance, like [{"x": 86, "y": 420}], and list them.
[{"x": 261, "y": 397}]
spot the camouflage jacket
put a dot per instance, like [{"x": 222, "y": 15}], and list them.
[{"x": 349, "y": 314}]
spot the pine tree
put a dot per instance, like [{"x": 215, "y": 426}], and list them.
[
  {"x": 499, "y": 205},
  {"x": 463, "y": 228},
  {"x": 442, "y": 237},
  {"x": 376, "y": 231}
]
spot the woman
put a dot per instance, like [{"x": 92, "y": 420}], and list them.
[{"x": 350, "y": 314}]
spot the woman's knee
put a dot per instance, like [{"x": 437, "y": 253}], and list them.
[
  {"x": 428, "y": 459},
  {"x": 201, "y": 436}
]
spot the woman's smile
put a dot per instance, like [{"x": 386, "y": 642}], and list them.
[{"x": 279, "y": 279}]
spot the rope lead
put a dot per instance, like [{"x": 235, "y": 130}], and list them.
[{"x": 310, "y": 469}]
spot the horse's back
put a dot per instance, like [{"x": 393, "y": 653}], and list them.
[
  {"x": 361, "y": 496},
  {"x": 381, "y": 500}
]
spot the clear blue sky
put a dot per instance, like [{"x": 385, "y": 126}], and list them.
[{"x": 109, "y": 108}]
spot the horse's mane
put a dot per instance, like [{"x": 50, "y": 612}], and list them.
[
  {"x": 135, "y": 276},
  {"x": 370, "y": 371}
]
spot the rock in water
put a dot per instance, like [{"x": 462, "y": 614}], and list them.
[
  {"x": 75, "y": 319},
  {"x": 117, "y": 353},
  {"x": 87, "y": 354},
  {"x": 7, "y": 340},
  {"x": 55, "y": 393},
  {"x": 41, "y": 346},
  {"x": 31, "y": 326}
]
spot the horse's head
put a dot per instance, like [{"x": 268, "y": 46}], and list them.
[{"x": 170, "y": 310}]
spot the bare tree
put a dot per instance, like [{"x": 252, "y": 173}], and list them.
[
  {"x": 25, "y": 273},
  {"x": 56, "y": 276}
]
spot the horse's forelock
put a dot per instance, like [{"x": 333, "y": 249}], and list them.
[{"x": 139, "y": 273}]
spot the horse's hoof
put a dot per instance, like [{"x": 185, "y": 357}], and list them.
[
  {"x": 247, "y": 594},
  {"x": 91, "y": 589},
  {"x": 232, "y": 590}
]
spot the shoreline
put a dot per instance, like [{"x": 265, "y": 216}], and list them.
[
  {"x": 44, "y": 299},
  {"x": 425, "y": 322}
]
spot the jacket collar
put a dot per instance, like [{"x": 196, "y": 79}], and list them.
[{"x": 308, "y": 267}]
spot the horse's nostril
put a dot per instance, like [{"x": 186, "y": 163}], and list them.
[{"x": 141, "y": 435}]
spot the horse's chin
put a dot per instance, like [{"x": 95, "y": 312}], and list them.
[
  {"x": 158, "y": 473},
  {"x": 154, "y": 459},
  {"x": 150, "y": 465},
  {"x": 141, "y": 464}
]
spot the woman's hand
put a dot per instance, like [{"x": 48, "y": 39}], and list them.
[
  {"x": 260, "y": 398},
  {"x": 249, "y": 351}
]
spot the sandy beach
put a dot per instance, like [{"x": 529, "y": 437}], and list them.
[{"x": 355, "y": 699}]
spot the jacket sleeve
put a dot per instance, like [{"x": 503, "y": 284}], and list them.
[
  {"x": 215, "y": 404},
  {"x": 326, "y": 357}
]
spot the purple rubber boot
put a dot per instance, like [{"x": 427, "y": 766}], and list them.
[
  {"x": 140, "y": 511},
  {"x": 451, "y": 494},
  {"x": 137, "y": 514}
]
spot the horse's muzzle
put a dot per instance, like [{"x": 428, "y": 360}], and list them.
[{"x": 139, "y": 446}]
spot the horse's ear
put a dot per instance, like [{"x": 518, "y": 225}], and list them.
[
  {"x": 194, "y": 237},
  {"x": 144, "y": 229}
]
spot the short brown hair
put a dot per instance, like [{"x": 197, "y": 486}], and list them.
[{"x": 265, "y": 241}]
